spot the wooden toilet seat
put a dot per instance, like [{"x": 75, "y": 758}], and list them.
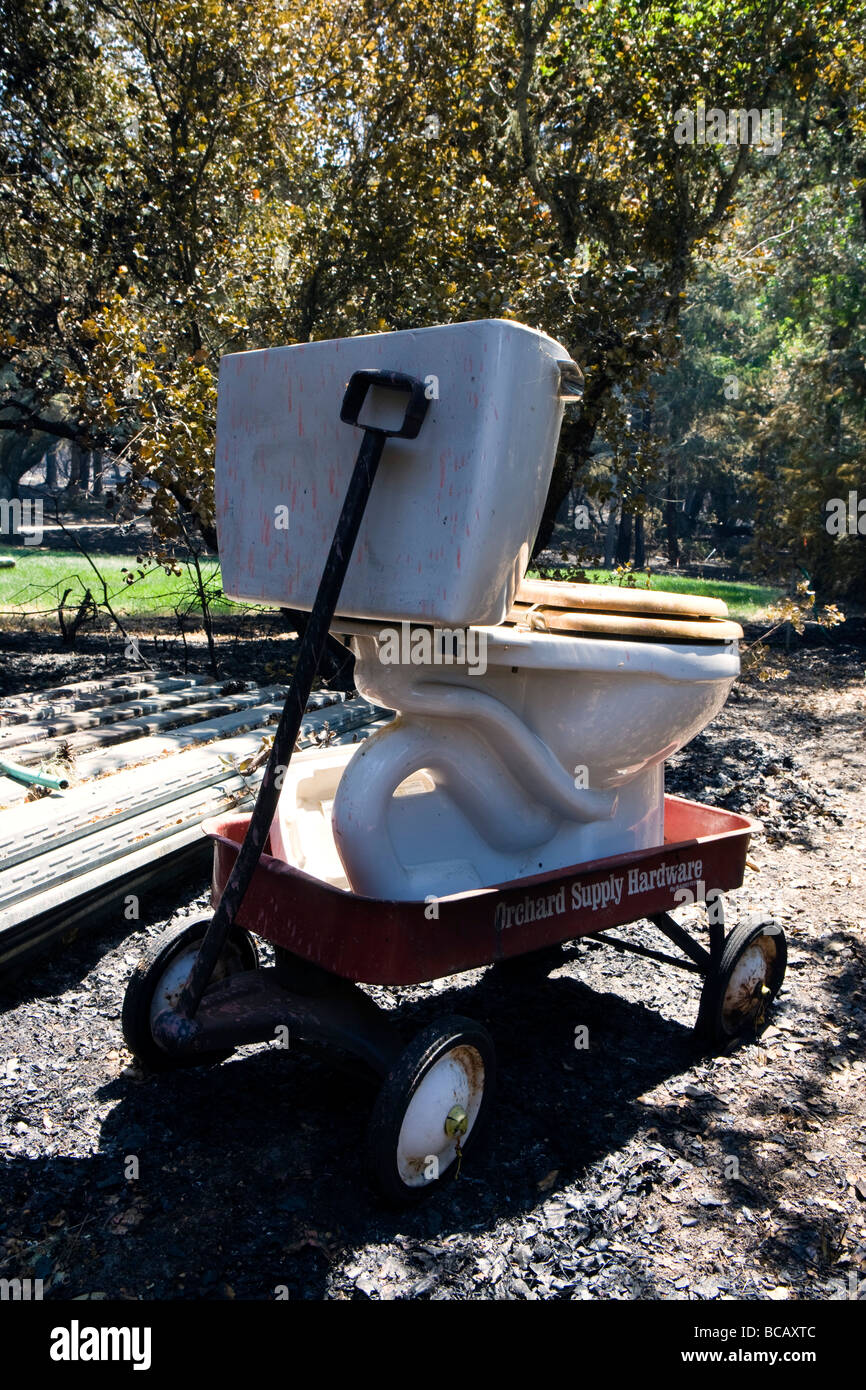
[{"x": 544, "y": 605}]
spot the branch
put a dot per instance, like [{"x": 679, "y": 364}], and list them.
[
  {"x": 106, "y": 602},
  {"x": 34, "y": 422}
]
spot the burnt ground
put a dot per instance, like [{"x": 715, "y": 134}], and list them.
[
  {"x": 636, "y": 1168},
  {"x": 251, "y": 648}
]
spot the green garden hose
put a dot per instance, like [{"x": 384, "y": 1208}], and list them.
[{"x": 31, "y": 778}]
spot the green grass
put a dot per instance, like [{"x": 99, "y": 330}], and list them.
[
  {"x": 39, "y": 578},
  {"x": 745, "y": 601},
  {"x": 35, "y": 585}
]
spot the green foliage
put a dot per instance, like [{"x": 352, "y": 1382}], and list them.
[
  {"x": 766, "y": 407},
  {"x": 793, "y": 611},
  {"x": 184, "y": 179},
  {"x": 40, "y": 577}
]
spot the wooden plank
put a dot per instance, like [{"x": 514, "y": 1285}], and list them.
[
  {"x": 132, "y": 745},
  {"x": 100, "y": 898},
  {"x": 82, "y": 688},
  {"x": 97, "y": 716},
  {"x": 98, "y": 732},
  {"x": 131, "y": 729},
  {"x": 47, "y": 912},
  {"x": 41, "y": 709},
  {"x": 104, "y": 760},
  {"x": 90, "y": 812}
]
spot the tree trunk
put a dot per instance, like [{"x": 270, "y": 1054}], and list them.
[
  {"x": 671, "y": 518},
  {"x": 694, "y": 503},
  {"x": 51, "y": 469},
  {"x": 639, "y": 543},
  {"x": 610, "y": 537},
  {"x": 623, "y": 540},
  {"x": 75, "y": 457},
  {"x": 575, "y": 442}
]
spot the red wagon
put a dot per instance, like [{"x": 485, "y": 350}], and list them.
[{"x": 328, "y": 942}]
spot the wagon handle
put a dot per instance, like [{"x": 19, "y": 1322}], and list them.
[
  {"x": 356, "y": 394},
  {"x": 173, "y": 1027}
]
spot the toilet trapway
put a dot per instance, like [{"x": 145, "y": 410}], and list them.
[{"x": 147, "y": 758}]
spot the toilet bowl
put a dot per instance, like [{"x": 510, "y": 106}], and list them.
[{"x": 525, "y": 747}]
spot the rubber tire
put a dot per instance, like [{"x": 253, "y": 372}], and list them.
[
  {"x": 240, "y": 954},
  {"x": 397, "y": 1090},
  {"x": 711, "y": 1028}
]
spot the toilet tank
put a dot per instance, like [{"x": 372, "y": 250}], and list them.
[{"x": 452, "y": 514}]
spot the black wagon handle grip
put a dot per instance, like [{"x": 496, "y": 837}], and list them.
[{"x": 356, "y": 393}]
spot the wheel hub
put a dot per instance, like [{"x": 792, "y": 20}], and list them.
[
  {"x": 456, "y": 1122},
  {"x": 748, "y": 993}
]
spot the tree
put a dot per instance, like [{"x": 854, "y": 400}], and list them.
[
  {"x": 773, "y": 372},
  {"x": 215, "y": 176}
]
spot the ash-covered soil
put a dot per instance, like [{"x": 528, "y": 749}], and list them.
[
  {"x": 34, "y": 659},
  {"x": 635, "y": 1168}
]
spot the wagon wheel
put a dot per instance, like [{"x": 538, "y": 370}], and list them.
[
  {"x": 431, "y": 1108},
  {"x": 158, "y": 980},
  {"x": 736, "y": 998}
]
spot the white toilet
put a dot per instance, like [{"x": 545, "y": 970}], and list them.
[
  {"x": 532, "y": 726},
  {"x": 551, "y": 756}
]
